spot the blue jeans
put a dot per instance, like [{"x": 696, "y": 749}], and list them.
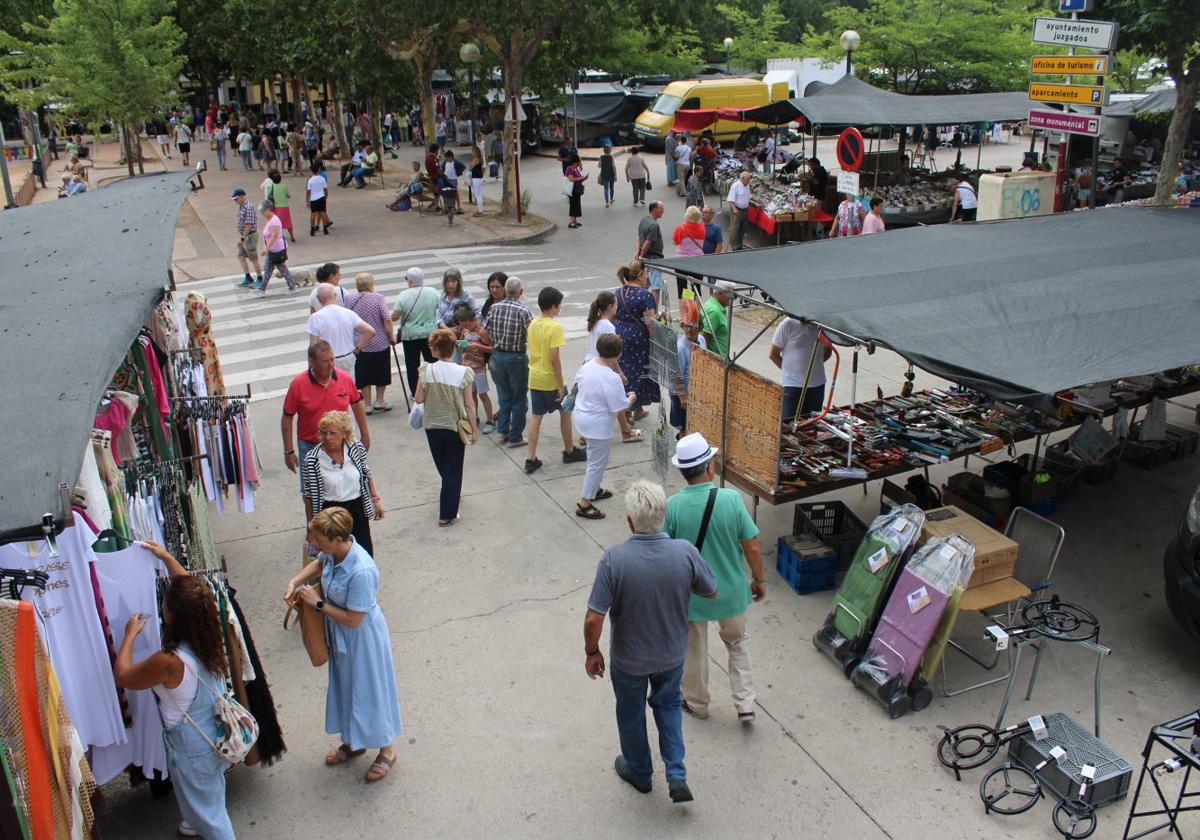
[
  {"x": 221, "y": 153},
  {"x": 666, "y": 701},
  {"x": 672, "y": 172},
  {"x": 610, "y": 191},
  {"x": 361, "y": 173},
  {"x": 510, "y": 372},
  {"x": 303, "y": 447}
]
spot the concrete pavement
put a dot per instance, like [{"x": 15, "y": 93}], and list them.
[{"x": 506, "y": 737}]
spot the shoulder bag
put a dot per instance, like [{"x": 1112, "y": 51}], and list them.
[
  {"x": 241, "y": 729},
  {"x": 312, "y": 624},
  {"x": 704, "y": 520}
]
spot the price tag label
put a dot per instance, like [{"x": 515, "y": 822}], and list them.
[
  {"x": 918, "y": 599},
  {"x": 877, "y": 560}
]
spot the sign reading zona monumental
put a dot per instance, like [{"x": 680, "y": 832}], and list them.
[{"x": 1070, "y": 123}]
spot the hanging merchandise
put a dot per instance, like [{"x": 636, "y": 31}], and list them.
[
  {"x": 72, "y": 631},
  {"x": 46, "y": 774},
  {"x": 199, "y": 324},
  {"x": 128, "y": 583}
]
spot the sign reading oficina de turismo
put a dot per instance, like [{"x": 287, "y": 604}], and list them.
[
  {"x": 1066, "y": 65},
  {"x": 1089, "y": 34}
]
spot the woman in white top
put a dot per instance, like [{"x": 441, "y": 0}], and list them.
[
  {"x": 600, "y": 321},
  {"x": 600, "y": 401},
  {"x": 187, "y": 675},
  {"x": 336, "y": 474}
]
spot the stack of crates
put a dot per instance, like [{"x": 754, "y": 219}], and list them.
[{"x": 824, "y": 538}]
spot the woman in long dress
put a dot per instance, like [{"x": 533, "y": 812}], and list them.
[{"x": 634, "y": 305}]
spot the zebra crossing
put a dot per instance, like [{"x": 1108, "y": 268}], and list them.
[{"x": 262, "y": 340}]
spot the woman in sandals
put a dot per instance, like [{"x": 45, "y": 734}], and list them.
[
  {"x": 601, "y": 399},
  {"x": 187, "y": 677},
  {"x": 362, "y": 704}
]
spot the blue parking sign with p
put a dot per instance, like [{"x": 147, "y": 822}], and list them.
[{"x": 1074, "y": 5}]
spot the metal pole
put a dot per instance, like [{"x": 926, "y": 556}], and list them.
[
  {"x": 727, "y": 61},
  {"x": 516, "y": 151},
  {"x": 575, "y": 107},
  {"x": 9, "y": 201},
  {"x": 847, "y": 62},
  {"x": 979, "y": 153},
  {"x": 853, "y": 400},
  {"x": 471, "y": 111}
]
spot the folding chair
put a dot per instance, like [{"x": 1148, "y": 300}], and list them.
[{"x": 1039, "y": 542}]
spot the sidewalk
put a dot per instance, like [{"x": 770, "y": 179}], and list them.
[
  {"x": 206, "y": 240},
  {"x": 102, "y": 167}
]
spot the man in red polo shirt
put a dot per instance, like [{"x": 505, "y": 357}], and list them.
[{"x": 317, "y": 390}]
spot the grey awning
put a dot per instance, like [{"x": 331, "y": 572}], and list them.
[
  {"x": 1153, "y": 103},
  {"x": 81, "y": 276},
  {"x": 851, "y": 101},
  {"x": 1016, "y": 309}
]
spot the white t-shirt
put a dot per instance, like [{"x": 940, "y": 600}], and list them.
[
  {"x": 601, "y": 397},
  {"x": 603, "y": 327},
  {"x": 966, "y": 196},
  {"x": 683, "y": 154},
  {"x": 312, "y": 298},
  {"x": 796, "y": 340},
  {"x": 245, "y": 142},
  {"x": 739, "y": 195},
  {"x": 316, "y": 187},
  {"x": 183, "y": 134},
  {"x": 335, "y": 324},
  {"x": 339, "y": 483}
]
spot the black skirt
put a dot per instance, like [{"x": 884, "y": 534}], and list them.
[
  {"x": 373, "y": 368},
  {"x": 575, "y": 206},
  {"x": 362, "y": 526}
]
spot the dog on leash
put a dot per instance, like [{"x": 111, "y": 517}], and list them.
[{"x": 304, "y": 277}]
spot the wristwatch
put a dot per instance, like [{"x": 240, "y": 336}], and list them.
[{"x": 319, "y": 606}]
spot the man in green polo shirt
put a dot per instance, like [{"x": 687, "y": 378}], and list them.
[
  {"x": 714, "y": 318},
  {"x": 728, "y": 540}
]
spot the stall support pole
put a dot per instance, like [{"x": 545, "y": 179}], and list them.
[
  {"x": 853, "y": 401},
  {"x": 979, "y": 150}
]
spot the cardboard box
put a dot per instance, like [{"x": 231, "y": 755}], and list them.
[{"x": 995, "y": 554}]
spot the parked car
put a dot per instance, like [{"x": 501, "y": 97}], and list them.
[{"x": 1181, "y": 569}]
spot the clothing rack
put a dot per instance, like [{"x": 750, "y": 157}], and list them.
[
  {"x": 18, "y": 579},
  {"x": 227, "y": 397}
]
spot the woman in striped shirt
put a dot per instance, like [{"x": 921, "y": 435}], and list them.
[{"x": 336, "y": 474}]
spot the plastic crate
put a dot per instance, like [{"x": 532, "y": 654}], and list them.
[
  {"x": 1185, "y": 441},
  {"x": 1082, "y": 747},
  {"x": 833, "y": 524},
  {"x": 1149, "y": 454},
  {"x": 805, "y": 574},
  {"x": 1091, "y": 473}
]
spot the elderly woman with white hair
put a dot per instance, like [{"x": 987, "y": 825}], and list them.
[
  {"x": 644, "y": 585},
  {"x": 415, "y": 310},
  {"x": 373, "y": 365},
  {"x": 336, "y": 474}
]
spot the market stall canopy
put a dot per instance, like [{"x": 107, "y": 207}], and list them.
[
  {"x": 604, "y": 103},
  {"x": 1016, "y": 309},
  {"x": 851, "y": 101},
  {"x": 1153, "y": 103},
  {"x": 82, "y": 275}
]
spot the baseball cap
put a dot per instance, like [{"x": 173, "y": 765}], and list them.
[{"x": 237, "y": 192}]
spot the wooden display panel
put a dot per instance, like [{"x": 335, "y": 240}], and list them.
[{"x": 754, "y": 416}]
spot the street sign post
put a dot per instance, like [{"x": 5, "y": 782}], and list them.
[
  {"x": 1065, "y": 65},
  {"x": 1070, "y": 123},
  {"x": 849, "y": 149},
  {"x": 1089, "y": 34},
  {"x": 1090, "y": 95},
  {"x": 1074, "y": 5}
]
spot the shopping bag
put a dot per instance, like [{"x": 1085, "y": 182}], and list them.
[{"x": 312, "y": 623}]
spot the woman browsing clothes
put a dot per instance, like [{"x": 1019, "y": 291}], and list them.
[
  {"x": 336, "y": 474},
  {"x": 187, "y": 677},
  {"x": 361, "y": 704}
]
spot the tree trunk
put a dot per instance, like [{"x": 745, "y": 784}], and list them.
[
  {"x": 1186, "y": 89},
  {"x": 339, "y": 118},
  {"x": 510, "y": 198},
  {"x": 284, "y": 104},
  {"x": 423, "y": 66},
  {"x": 125, "y": 145},
  {"x": 376, "y": 130}
]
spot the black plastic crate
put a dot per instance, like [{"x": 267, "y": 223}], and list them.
[
  {"x": 1091, "y": 473},
  {"x": 1149, "y": 454},
  {"x": 1185, "y": 441},
  {"x": 834, "y": 524},
  {"x": 1082, "y": 747}
]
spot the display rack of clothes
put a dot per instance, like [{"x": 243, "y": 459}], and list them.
[
  {"x": 217, "y": 431},
  {"x": 200, "y": 342}
]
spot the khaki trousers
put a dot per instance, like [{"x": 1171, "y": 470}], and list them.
[{"x": 695, "y": 668}]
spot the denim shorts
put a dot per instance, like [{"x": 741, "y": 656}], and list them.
[
  {"x": 655, "y": 278},
  {"x": 543, "y": 402}
]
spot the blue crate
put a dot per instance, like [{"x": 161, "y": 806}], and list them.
[{"x": 812, "y": 574}]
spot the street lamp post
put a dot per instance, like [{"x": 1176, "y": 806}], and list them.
[
  {"x": 728, "y": 45},
  {"x": 468, "y": 53},
  {"x": 849, "y": 41}
]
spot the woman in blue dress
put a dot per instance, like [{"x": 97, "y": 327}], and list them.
[
  {"x": 362, "y": 704},
  {"x": 634, "y": 305}
]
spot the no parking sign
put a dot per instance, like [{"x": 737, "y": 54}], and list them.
[{"x": 850, "y": 149}]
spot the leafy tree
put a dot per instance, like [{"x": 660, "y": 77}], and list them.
[
  {"x": 1132, "y": 71},
  {"x": 207, "y": 28},
  {"x": 926, "y": 46},
  {"x": 1170, "y": 30},
  {"x": 756, "y": 35},
  {"x": 102, "y": 59}
]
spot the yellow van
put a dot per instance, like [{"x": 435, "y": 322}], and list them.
[{"x": 655, "y": 122}]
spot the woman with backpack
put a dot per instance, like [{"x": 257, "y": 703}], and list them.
[{"x": 188, "y": 679}]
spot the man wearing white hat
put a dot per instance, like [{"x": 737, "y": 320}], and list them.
[
  {"x": 416, "y": 311},
  {"x": 717, "y": 523}
]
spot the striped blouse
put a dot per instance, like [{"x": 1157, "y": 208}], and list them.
[
  {"x": 314, "y": 491},
  {"x": 444, "y": 390}
]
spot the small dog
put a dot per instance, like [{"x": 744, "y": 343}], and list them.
[{"x": 304, "y": 277}]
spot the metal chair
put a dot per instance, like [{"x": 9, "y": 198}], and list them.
[{"x": 1039, "y": 543}]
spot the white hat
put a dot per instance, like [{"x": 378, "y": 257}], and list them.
[
  {"x": 415, "y": 276},
  {"x": 692, "y": 451}
]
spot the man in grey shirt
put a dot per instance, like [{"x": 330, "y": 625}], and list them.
[
  {"x": 650, "y": 247},
  {"x": 643, "y": 585}
]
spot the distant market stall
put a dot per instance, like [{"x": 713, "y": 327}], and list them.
[{"x": 1021, "y": 342}]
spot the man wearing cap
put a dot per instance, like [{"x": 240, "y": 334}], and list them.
[
  {"x": 416, "y": 311},
  {"x": 247, "y": 246},
  {"x": 714, "y": 317},
  {"x": 644, "y": 585},
  {"x": 716, "y": 521}
]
